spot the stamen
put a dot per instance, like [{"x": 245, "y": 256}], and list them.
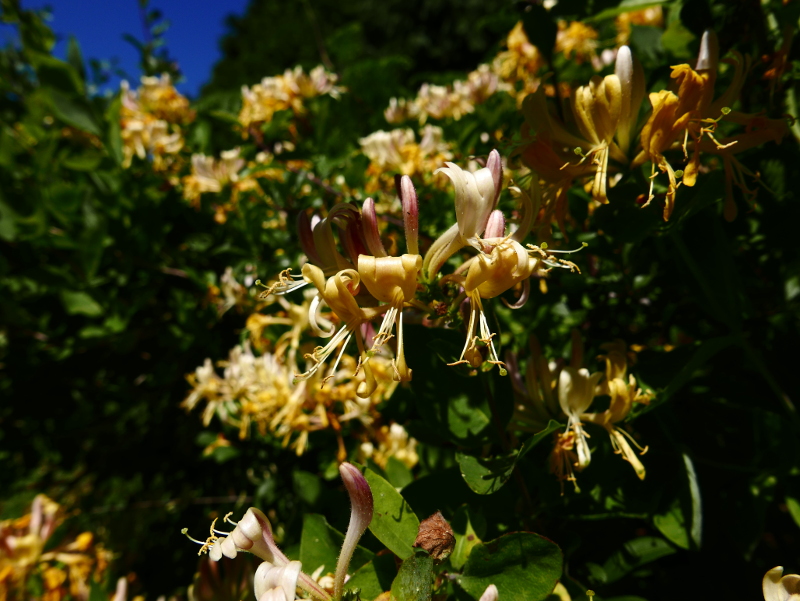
[{"x": 228, "y": 519}]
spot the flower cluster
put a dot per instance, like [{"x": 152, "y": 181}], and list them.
[
  {"x": 150, "y": 120},
  {"x": 605, "y": 114},
  {"x": 447, "y": 102},
  {"x": 230, "y": 172},
  {"x": 549, "y": 392},
  {"x": 285, "y": 93},
  {"x": 512, "y": 71},
  {"x": 397, "y": 151},
  {"x": 361, "y": 283},
  {"x": 65, "y": 570}
]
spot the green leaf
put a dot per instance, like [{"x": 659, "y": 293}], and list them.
[
  {"x": 74, "y": 111},
  {"x": 308, "y": 486},
  {"x": 414, "y": 581},
  {"x": 794, "y": 509},
  {"x": 634, "y": 554},
  {"x": 85, "y": 161},
  {"x": 704, "y": 353},
  {"x": 677, "y": 40},
  {"x": 96, "y": 592},
  {"x": 80, "y": 303},
  {"x": 466, "y": 537},
  {"x": 682, "y": 523},
  {"x": 534, "y": 440},
  {"x": 524, "y": 566},
  {"x": 625, "y": 6},
  {"x": 114, "y": 130},
  {"x": 397, "y": 473},
  {"x": 374, "y": 578},
  {"x": 486, "y": 475},
  {"x": 393, "y": 521},
  {"x": 320, "y": 544},
  {"x": 672, "y": 525}
]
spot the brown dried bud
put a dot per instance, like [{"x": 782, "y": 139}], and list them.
[{"x": 436, "y": 537}]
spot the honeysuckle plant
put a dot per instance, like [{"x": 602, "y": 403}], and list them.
[{"x": 277, "y": 577}]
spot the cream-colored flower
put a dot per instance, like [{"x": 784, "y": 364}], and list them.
[
  {"x": 576, "y": 390},
  {"x": 781, "y": 588}
]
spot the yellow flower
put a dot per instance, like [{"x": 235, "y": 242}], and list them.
[
  {"x": 624, "y": 393},
  {"x": 605, "y": 112},
  {"x": 690, "y": 116},
  {"x": 576, "y": 38}
]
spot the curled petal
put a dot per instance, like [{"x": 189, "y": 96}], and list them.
[
  {"x": 523, "y": 298},
  {"x": 306, "y": 236},
  {"x": 371, "y": 234}
]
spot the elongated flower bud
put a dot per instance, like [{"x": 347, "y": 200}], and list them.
[
  {"x": 370, "y": 220},
  {"x": 361, "y": 508},
  {"x": 708, "y": 56},
  {"x": 408, "y": 198},
  {"x": 495, "y": 164}
]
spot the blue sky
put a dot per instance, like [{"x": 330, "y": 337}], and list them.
[{"x": 195, "y": 29}]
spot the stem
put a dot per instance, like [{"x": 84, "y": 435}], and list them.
[{"x": 305, "y": 582}]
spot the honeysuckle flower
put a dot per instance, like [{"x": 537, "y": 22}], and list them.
[
  {"x": 536, "y": 400},
  {"x": 520, "y": 63},
  {"x": 66, "y": 568},
  {"x": 688, "y": 118},
  {"x": 475, "y": 198},
  {"x": 777, "y": 587},
  {"x": 576, "y": 390},
  {"x": 624, "y": 393},
  {"x": 212, "y": 175},
  {"x": 274, "y": 583},
  {"x": 149, "y": 121},
  {"x": 578, "y": 39},
  {"x": 277, "y": 578},
  {"x": 400, "y": 110},
  {"x": 392, "y": 441},
  {"x": 338, "y": 292},
  {"x": 397, "y": 152},
  {"x": 605, "y": 112},
  {"x": 285, "y": 92},
  {"x": 392, "y": 280}
]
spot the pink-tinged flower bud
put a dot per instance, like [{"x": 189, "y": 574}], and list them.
[
  {"x": 304, "y": 231},
  {"x": 708, "y": 57},
  {"x": 370, "y": 220},
  {"x": 361, "y": 507},
  {"x": 490, "y": 594},
  {"x": 408, "y": 198},
  {"x": 284, "y": 578},
  {"x": 495, "y": 228},
  {"x": 495, "y": 164}
]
